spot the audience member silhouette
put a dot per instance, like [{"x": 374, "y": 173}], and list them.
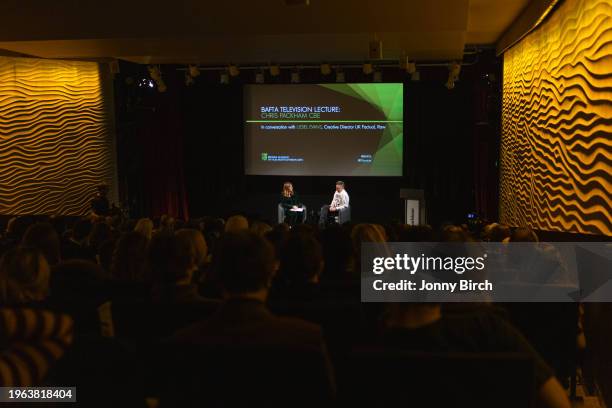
[
  {"x": 236, "y": 223},
  {"x": 129, "y": 258},
  {"x": 424, "y": 327},
  {"x": 77, "y": 246},
  {"x": 43, "y": 237},
  {"x": 144, "y": 226},
  {"x": 24, "y": 277},
  {"x": 245, "y": 265},
  {"x": 172, "y": 263}
]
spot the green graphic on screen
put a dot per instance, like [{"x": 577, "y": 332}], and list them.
[{"x": 324, "y": 129}]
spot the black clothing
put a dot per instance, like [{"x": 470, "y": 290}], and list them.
[
  {"x": 478, "y": 332},
  {"x": 180, "y": 294},
  {"x": 243, "y": 350},
  {"x": 100, "y": 205},
  {"x": 292, "y": 217},
  {"x": 73, "y": 250},
  {"x": 249, "y": 322}
]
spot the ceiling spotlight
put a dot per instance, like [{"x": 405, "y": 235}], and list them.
[
  {"x": 156, "y": 76},
  {"x": 154, "y": 72},
  {"x": 233, "y": 70},
  {"x": 410, "y": 68},
  {"x": 295, "y": 77},
  {"x": 454, "y": 68},
  {"x": 189, "y": 79},
  {"x": 340, "y": 75},
  {"x": 368, "y": 68},
  {"x": 326, "y": 69},
  {"x": 274, "y": 70},
  {"x": 193, "y": 70},
  {"x": 377, "y": 76},
  {"x": 260, "y": 77},
  {"x": 146, "y": 83},
  {"x": 224, "y": 78}
]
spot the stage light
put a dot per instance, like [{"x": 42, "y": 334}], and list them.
[
  {"x": 193, "y": 70},
  {"x": 156, "y": 75},
  {"x": 189, "y": 79},
  {"x": 368, "y": 68},
  {"x": 377, "y": 76},
  {"x": 274, "y": 70},
  {"x": 410, "y": 68},
  {"x": 224, "y": 78},
  {"x": 233, "y": 70},
  {"x": 450, "y": 84},
  {"x": 295, "y": 77},
  {"x": 340, "y": 77},
  {"x": 260, "y": 77},
  {"x": 154, "y": 72},
  {"x": 326, "y": 69},
  {"x": 454, "y": 68},
  {"x": 146, "y": 83}
]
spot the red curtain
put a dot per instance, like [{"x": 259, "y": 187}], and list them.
[{"x": 160, "y": 137}]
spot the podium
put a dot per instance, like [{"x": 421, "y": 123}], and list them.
[{"x": 414, "y": 206}]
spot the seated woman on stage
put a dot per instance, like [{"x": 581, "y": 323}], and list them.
[{"x": 289, "y": 201}]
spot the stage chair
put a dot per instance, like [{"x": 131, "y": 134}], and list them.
[
  {"x": 344, "y": 215},
  {"x": 281, "y": 214}
]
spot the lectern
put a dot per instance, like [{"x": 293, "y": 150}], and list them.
[{"x": 414, "y": 206}]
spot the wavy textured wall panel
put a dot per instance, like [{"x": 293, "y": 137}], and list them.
[
  {"x": 56, "y": 135},
  {"x": 556, "y": 147}
]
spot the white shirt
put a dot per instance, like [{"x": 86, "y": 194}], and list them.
[{"x": 340, "y": 200}]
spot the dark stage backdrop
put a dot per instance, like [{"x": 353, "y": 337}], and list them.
[{"x": 450, "y": 147}]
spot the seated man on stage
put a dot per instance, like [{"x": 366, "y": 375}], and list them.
[
  {"x": 292, "y": 205},
  {"x": 339, "y": 202}
]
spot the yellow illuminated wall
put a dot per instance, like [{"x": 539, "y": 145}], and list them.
[
  {"x": 556, "y": 147},
  {"x": 56, "y": 135}
]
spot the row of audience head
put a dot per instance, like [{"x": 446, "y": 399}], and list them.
[
  {"x": 236, "y": 259},
  {"x": 165, "y": 255}
]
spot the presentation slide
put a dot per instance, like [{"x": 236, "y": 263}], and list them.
[{"x": 324, "y": 129}]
